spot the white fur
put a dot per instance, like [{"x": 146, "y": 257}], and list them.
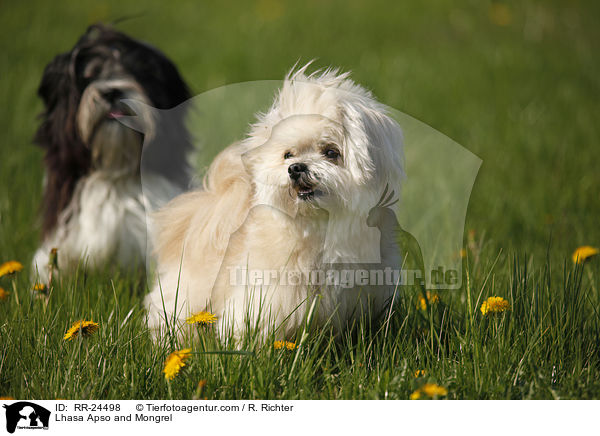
[
  {"x": 105, "y": 224},
  {"x": 249, "y": 214}
]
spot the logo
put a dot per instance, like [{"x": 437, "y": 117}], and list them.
[{"x": 26, "y": 415}]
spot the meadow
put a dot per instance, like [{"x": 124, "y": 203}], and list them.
[{"x": 516, "y": 83}]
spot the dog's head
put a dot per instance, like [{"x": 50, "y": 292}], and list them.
[
  {"x": 325, "y": 143},
  {"x": 82, "y": 92}
]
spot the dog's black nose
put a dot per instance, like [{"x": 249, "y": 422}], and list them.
[
  {"x": 295, "y": 170},
  {"x": 112, "y": 95}
]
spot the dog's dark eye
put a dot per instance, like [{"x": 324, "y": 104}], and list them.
[
  {"x": 331, "y": 153},
  {"x": 288, "y": 154}
]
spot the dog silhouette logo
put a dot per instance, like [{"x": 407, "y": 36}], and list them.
[{"x": 26, "y": 415}]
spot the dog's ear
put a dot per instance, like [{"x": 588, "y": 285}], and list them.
[
  {"x": 56, "y": 80},
  {"x": 61, "y": 99},
  {"x": 375, "y": 149},
  {"x": 66, "y": 158}
]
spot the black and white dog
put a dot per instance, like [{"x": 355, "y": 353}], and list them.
[{"x": 94, "y": 207}]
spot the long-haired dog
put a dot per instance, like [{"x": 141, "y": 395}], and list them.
[
  {"x": 292, "y": 198},
  {"x": 94, "y": 208}
]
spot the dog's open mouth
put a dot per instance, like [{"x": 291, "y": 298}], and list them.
[
  {"x": 305, "y": 191},
  {"x": 118, "y": 111},
  {"x": 116, "y": 114}
]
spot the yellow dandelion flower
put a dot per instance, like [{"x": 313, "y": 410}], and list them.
[
  {"x": 420, "y": 373},
  {"x": 431, "y": 299},
  {"x": 202, "y": 318},
  {"x": 494, "y": 305},
  {"x": 87, "y": 328},
  {"x": 462, "y": 253},
  {"x": 10, "y": 267},
  {"x": 6, "y": 398},
  {"x": 278, "y": 345},
  {"x": 175, "y": 362},
  {"x": 416, "y": 395},
  {"x": 40, "y": 287},
  {"x": 4, "y": 294},
  {"x": 584, "y": 253},
  {"x": 429, "y": 390}
]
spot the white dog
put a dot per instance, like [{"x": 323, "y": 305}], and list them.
[{"x": 290, "y": 199}]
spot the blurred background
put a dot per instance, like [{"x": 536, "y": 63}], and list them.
[{"x": 516, "y": 83}]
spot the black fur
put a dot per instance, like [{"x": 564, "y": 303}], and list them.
[{"x": 67, "y": 159}]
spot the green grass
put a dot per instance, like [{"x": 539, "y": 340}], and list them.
[{"x": 522, "y": 96}]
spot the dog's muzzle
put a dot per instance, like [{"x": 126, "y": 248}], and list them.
[
  {"x": 296, "y": 170},
  {"x": 113, "y": 97},
  {"x": 301, "y": 181},
  {"x": 102, "y": 101}
]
